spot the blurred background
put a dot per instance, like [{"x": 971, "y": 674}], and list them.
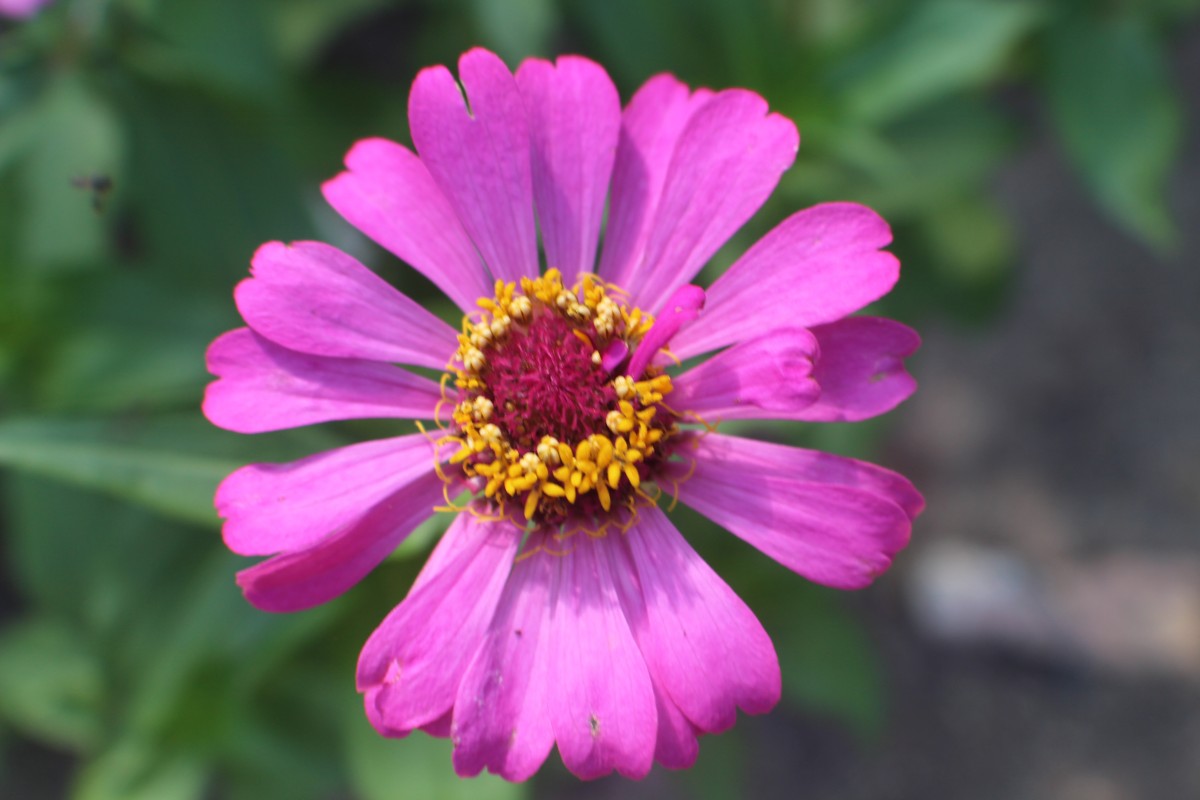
[{"x": 1038, "y": 161}]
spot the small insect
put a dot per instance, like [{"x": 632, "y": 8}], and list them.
[{"x": 100, "y": 185}]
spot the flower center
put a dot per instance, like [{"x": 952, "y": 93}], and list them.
[
  {"x": 543, "y": 382},
  {"x": 545, "y": 419}
]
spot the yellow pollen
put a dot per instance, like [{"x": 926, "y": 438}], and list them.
[
  {"x": 482, "y": 408},
  {"x": 520, "y": 308},
  {"x": 473, "y": 359}
]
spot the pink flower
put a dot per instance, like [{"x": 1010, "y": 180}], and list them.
[
  {"x": 562, "y": 606},
  {"x": 21, "y": 8}
]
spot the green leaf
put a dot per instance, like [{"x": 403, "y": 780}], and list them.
[
  {"x": 141, "y": 463},
  {"x": 940, "y": 47},
  {"x": 201, "y": 655},
  {"x": 826, "y": 22},
  {"x": 946, "y": 152},
  {"x": 1171, "y": 10},
  {"x": 516, "y": 29},
  {"x": 972, "y": 239},
  {"x": 705, "y": 42},
  {"x": 78, "y": 138},
  {"x": 635, "y": 38},
  {"x": 1119, "y": 117},
  {"x": 420, "y": 541},
  {"x": 140, "y": 770},
  {"x": 294, "y": 758},
  {"x": 130, "y": 345},
  {"x": 418, "y": 766},
  {"x": 720, "y": 769},
  {"x": 18, "y": 134},
  {"x": 50, "y": 683},
  {"x": 171, "y": 463},
  {"x": 217, "y": 44},
  {"x": 828, "y": 664},
  {"x": 188, "y": 670},
  {"x": 86, "y": 557},
  {"x": 302, "y": 27},
  {"x": 211, "y": 184}
]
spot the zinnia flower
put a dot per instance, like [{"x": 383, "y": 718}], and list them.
[{"x": 562, "y": 606}]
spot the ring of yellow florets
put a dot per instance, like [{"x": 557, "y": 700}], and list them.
[{"x": 544, "y": 419}]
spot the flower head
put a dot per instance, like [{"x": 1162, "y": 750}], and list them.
[{"x": 562, "y": 607}]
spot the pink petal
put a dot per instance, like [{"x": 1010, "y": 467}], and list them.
[
  {"x": 574, "y": 117},
  {"x": 861, "y": 369},
  {"x": 298, "y": 580},
  {"x": 616, "y": 352},
  {"x": 727, "y": 456},
  {"x": 480, "y": 157},
  {"x": 501, "y": 719},
  {"x": 816, "y": 266},
  {"x": 681, "y": 308},
  {"x": 440, "y": 727},
  {"x": 601, "y": 700},
  {"x": 412, "y": 665},
  {"x": 833, "y": 520},
  {"x": 727, "y": 162},
  {"x": 273, "y": 508},
  {"x": 264, "y": 387},
  {"x": 677, "y": 745},
  {"x": 389, "y": 195},
  {"x": 315, "y": 299},
  {"x": 650, "y": 130},
  {"x": 704, "y": 647},
  {"x": 769, "y": 376}
]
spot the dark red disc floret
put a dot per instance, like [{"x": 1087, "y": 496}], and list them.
[{"x": 543, "y": 382}]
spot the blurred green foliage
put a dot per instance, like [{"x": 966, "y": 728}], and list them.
[{"x": 147, "y": 147}]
